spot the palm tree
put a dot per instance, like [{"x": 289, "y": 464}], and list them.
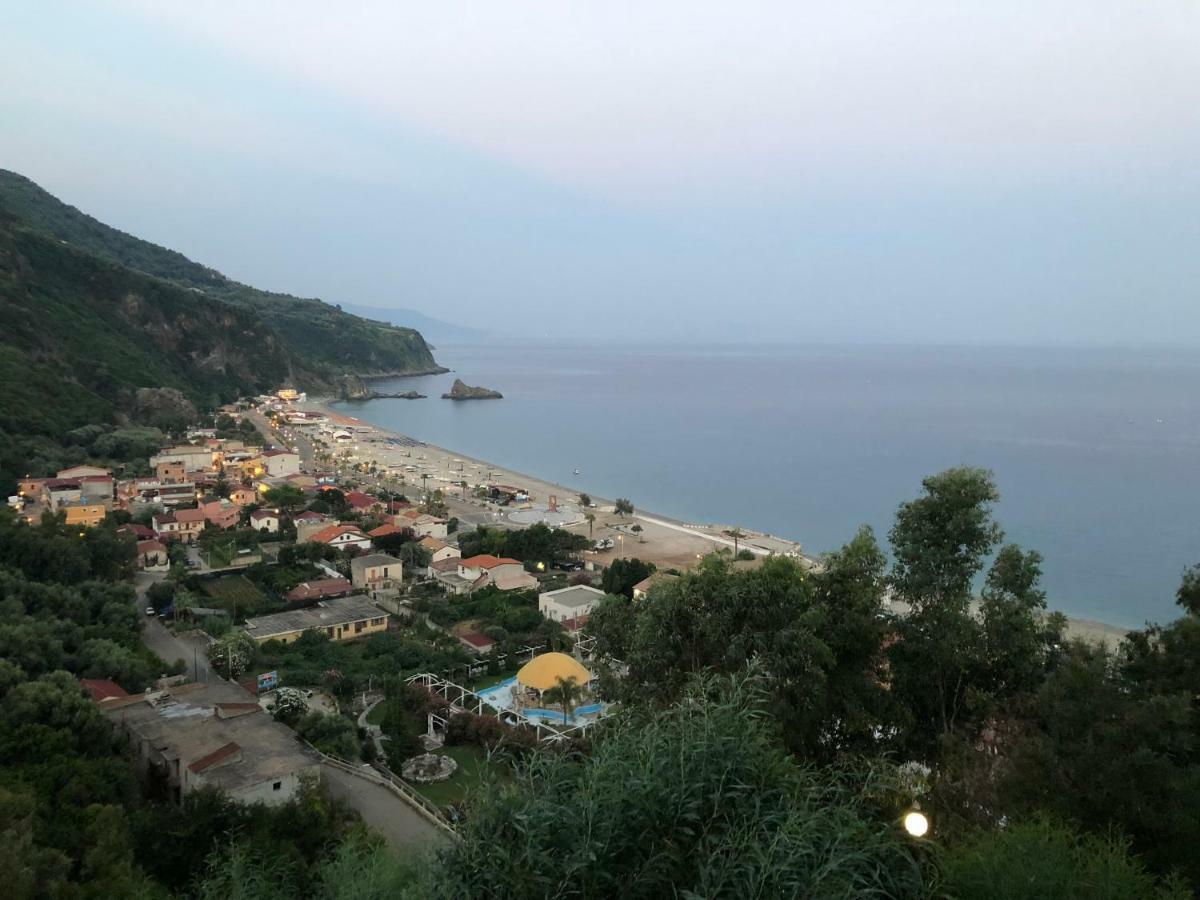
[
  {"x": 565, "y": 692},
  {"x": 737, "y": 534},
  {"x": 591, "y": 520}
]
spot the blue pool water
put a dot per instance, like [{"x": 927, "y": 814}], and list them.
[{"x": 499, "y": 696}]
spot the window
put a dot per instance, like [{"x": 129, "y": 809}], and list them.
[
  {"x": 277, "y": 785},
  {"x": 358, "y": 626}
]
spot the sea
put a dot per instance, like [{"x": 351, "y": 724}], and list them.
[{"x": 1096, "y": 451}]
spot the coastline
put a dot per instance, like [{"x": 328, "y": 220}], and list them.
[{"x": 666, "y": 541}]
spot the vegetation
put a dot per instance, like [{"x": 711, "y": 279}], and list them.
[
  {"x": 537, "y": 543},
  {"x": 92, "y": 316}
]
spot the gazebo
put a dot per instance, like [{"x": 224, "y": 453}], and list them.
[{"x": 543, "y": 672}]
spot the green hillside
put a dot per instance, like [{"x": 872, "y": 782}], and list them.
[{"x": 88, "y": 314}]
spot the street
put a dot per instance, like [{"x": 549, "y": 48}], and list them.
[
  {"x": 162, "y": 641},
  {"x": 399, "y": 823}
]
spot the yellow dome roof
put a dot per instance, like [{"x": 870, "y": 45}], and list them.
[{"x": 542, "y": 672}]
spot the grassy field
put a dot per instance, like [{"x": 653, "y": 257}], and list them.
[
  {"x": 472, "y": 763},
  {"x": 232, "y": 591}
]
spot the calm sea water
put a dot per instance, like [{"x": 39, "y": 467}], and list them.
[{"x": 1096, "y": 452}]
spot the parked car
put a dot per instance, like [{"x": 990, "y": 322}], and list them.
[{"x": 149, "y": 610}]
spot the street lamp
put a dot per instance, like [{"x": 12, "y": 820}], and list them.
[{"x": 915, "y": 822}]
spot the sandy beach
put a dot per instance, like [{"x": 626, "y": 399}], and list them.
[{"x": 662, "y": 540}]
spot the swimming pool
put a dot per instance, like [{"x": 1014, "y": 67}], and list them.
[{"x": 499, "y": 696}]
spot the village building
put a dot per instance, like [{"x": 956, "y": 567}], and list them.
[
  {"x": 212, "y": 735},
  {"x": 83, "y": 514},
  {"x": 376, "y": 572},
  {"x": 171, "y": 471},
  {"x": 342, "y": 620},
  {"x": 506, "y": 574},
  {"x": 309, "y": 523},
  {"x": 343, "y": 537},
  {"x": 222, "y": 513},
  {"x": 643, "y": 587},
  {"x": 319, "y": 589},
  {"x": 181, "y": 525},
  {"x": 422, "y": 524},
  {"x": 439, "y": 550},
  {"x": 84, "y": 472},
  {"x": 445, "y": 572},
  {"x": 570, "y": 606},
  {"x": 243, "y": 496},
  {"x": 280, "y": 463},
  {"x": 476, "y": 642},
  {"x": 265, "y": 520}
]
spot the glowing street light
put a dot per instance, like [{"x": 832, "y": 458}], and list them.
[{"x": 916, "y": 823}]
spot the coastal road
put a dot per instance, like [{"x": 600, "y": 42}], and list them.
[
  {"x": 399, "y": 823},
  {"x": 162, "y": 641}
]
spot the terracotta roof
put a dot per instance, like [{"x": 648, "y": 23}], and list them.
[
  {"x": 102, "y": 689},
  {"x": 215, "y": 758},
  {"x": 385, "y": 530},
  {"x": 574, "y": 624},
  {"x": 138, "y": 531},
  {"x": 487, "y": 561},
  {"x": 322, "y": 587},
  {"x": 359, "y": 500},
  {"x": 264, "y": 514},
  {"x": 189, "y": 515},
  {"x": 445, "y": 565},
  {"x": 475, "y": 639},
  {"x": 310, "y": 516},
  {"x": 151, "y": 547},
  {"x": 432, "y": 543},
  {"x": 325, "y": 535}
]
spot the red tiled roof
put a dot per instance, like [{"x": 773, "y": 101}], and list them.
[
  {"x": 323, "y": 587},
  {"x": 487, "y": 561},
  {"x": 325, "y": 535},
  {"x": 189, "y": 515},
  {"x": 574, "y": 624},
  {"x": 310, "y": 516},
  {"x": 359, "y": 500},
  {"x": 385, "y": 530},
  {"x": 138, "y": 531},
  {"x": 263, "y": 514},
  {"x": 475, "y": 639},
  {"x": 102, "y": 689},
  {"x": 215, "y": 758},
  {"x": 151, "y": 547}
]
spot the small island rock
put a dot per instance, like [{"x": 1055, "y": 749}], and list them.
[{"x": 460, "y": 391}]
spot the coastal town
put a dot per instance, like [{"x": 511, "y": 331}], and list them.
[{"x": 285, "y": 536}]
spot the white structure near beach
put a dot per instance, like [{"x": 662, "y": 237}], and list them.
[{"x": 569, "y": 605}]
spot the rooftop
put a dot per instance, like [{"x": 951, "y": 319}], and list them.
[
  {"x": 326, "y": 614},
  {"x": 574, "y": 597},
  {"x": 487, "y": 561},
  {"x": 318, "y": 588},
  {"x": 360, "y": 563}
]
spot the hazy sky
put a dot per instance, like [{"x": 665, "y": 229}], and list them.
[{"x": 947, "y": 171}]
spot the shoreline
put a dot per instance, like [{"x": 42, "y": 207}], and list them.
[{"x": 664, "y": 540}]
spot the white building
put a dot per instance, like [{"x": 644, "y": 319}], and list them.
[
  {"x": 281, "y": 463},
  {"x": 570, "y": 605}
]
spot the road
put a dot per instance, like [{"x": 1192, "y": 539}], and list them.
[
  {"x": 162, "y": 641},
  {"x": 399, "y": 823}
]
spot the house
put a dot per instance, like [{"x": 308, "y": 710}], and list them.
[
  {"x": 421, "y": 523},
  {"x": 385, "y": 531},
  {"x": 152, "y": 556},
  {"x": 243, "y": 496},
  {"x": 212, "y": 735},
  {"x": 102, "y": 689},
  {"x": 439, "y": 550},
  {"x": 139, "y": 532},
  {"x": 57, "y": 492},
  {"x": 361, "y": 502},
  {"x": 643, "y": 587},
  {"x": 343, "y": 537},
  {"x": 221, "y": 513},
  {"x": 171, "y": 471},
  {"x": 181, "y": 525},
  {"x": 84, "y": 472},
  {"x": 569, "y": 604},
  {"x": 83, "y": 514},
  {"x": 342, "y": 620},
  {"x": 376, "y": 572},
  {"x": 280, "y": 463},
  {"x": 506, "y": 574},
  {"x": 320, "y": 589},
  {"x": 96, "y": 488},
  {"x": 195, "y": 458},
  {"x": 476, "y": 642},
  {"x": 445, "y": 573},
  {"x": 265, "y": 520}
]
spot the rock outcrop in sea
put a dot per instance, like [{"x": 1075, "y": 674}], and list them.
[{"x": 461, "y": 391}]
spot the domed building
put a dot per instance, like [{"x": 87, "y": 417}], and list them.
[{"x": 543, "y": 672}]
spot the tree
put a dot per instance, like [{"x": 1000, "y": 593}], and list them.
[
  {"x": 622, "y": 574},
  {"x": 939, "y": 544},
  {"x": 286, "y": 497},
  {"x": 585, "y": 500},
  {"x": 232, "y": 654},
  {"x": 1054, "y": 860},
  {"x": 623, "y": 507},
  {"x": 333, "y": 735},
  {"x": 637, "y": 529},
  {"x": 737, "y": 534},
  {"x": 709, "y": 806},
  {"x": 565, "y": 693},
  {"x": 290, "y": 705}
]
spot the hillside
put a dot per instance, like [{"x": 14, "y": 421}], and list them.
[{"x": 88, "y": 314}]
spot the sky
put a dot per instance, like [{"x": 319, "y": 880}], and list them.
[{"x": 679, "y": 170}]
